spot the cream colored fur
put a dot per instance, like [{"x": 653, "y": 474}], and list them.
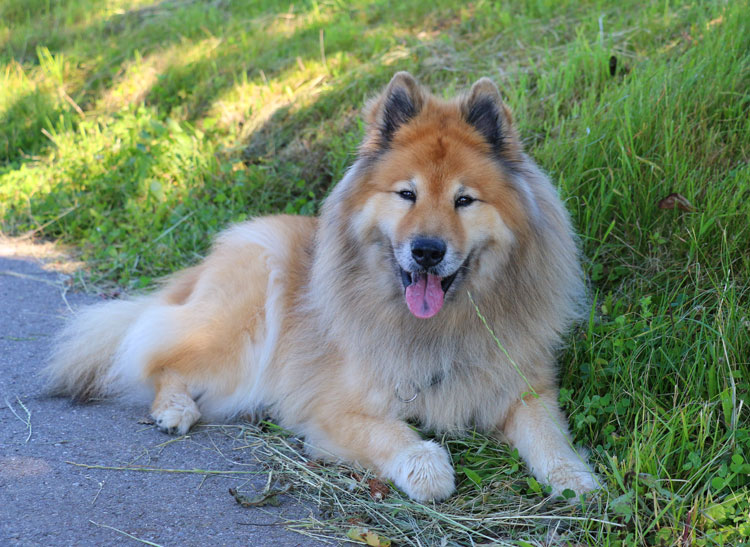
[{"x": 306, "y": 319}]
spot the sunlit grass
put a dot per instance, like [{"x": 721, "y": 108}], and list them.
[{"x": 136, "y": 131}]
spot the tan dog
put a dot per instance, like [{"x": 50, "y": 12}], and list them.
[{"x": 343, "y": 328}]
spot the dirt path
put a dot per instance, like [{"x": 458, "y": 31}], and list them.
[{"x": 45, "y": 500}]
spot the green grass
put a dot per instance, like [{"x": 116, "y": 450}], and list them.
[{"x": 136, "y": 130}]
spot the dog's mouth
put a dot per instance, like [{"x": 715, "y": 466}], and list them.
[{"x": 425, "y": 292}]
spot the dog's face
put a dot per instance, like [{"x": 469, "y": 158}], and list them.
[{"x": 437, "y": 197}]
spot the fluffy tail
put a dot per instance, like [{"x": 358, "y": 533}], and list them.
[{"x": 85, "y": 349}]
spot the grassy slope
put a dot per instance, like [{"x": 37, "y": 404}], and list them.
[{"x": 135, "y": 130}]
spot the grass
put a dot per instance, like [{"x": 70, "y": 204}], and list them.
[{"x": 136, "y": 130}]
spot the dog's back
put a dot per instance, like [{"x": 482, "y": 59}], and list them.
[{"x": 210, "y": 330}]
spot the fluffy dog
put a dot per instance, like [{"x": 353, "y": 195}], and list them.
[{"x": 345, "y": 327}]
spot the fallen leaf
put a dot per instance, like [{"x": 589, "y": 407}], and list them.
[
  {"x": 270, "y": 497},
  {"x": 368, "y": 537},
  {"x": 378, "y": 489},
  {"x": 676, "y": 200}
]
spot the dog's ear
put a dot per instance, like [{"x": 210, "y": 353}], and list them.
[
  {"x": 401, "y": 101},
  {"x": 483, "y": 109}
]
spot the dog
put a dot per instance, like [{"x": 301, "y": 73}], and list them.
[{"x": 435, "y": 287}]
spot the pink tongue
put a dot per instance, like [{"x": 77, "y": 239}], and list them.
[{"x": 425, "y": 296}]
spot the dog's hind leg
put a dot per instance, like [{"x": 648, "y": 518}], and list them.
[
  {"x": 537, "y": 427},
  {"x": 173, "y": 409},
  {"x": 195, "y": 355},
  {"x": 167, "y": 349}
]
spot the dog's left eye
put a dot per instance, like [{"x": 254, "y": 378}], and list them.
[
  {"x": 463, "y": 201},
  {"x": 408, "y": 195}
]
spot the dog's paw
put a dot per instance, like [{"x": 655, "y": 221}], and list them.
[
  {"x": 580, "y": 479},
  {"x": 177, "y": 414},
  {"x": 423, "y": 472}
]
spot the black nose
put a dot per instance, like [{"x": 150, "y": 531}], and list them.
[{"x": 427, "y": 251}]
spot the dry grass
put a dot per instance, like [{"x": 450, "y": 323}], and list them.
[{"x": 501, "y": 513}]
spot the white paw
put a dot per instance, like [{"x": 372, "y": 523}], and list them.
[
  {"x": 423, "y": 472},
  {"x": 177, "y": 415},
  {"x": 579, "y": 478}
]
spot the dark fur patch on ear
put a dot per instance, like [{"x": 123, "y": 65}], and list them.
[
  {"x": 398, "y": 110},
  {"x": 485, "y": 117}
]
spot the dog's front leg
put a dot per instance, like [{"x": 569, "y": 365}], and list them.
[
  {"x": 422, "y": 469},
  {"x": 536, "y": 426}
]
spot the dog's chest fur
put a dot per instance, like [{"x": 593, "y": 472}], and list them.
[{"x": 449, "y": 375}]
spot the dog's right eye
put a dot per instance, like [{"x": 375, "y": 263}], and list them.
[{"x": 408, "y": 195}]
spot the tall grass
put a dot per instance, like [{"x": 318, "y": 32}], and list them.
[{"x": 136, "y": 130}]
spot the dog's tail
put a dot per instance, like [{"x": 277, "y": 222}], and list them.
[{"x": 85, "y": 349}]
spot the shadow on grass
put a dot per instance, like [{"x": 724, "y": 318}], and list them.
[
  {"x": 22, "y": 124},
  {"x": 305, "y": 147},
  {"x": 183, "y": 89}
]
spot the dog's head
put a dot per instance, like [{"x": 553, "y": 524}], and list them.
[{"x": 439, "y": 189}]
